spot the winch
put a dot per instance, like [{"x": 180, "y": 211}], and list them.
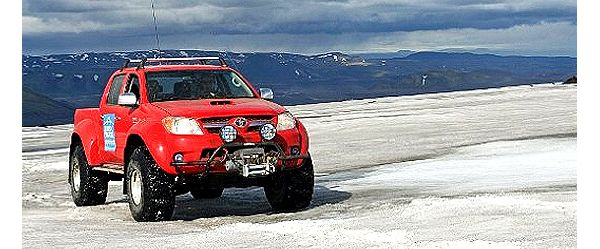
[{"x": 251, "y": 162}]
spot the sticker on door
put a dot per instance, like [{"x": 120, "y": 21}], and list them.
[{"x": 108, "y": 121}]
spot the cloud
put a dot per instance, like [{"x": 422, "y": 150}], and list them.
[
  {"x": 35, "y": 25},
  {"x": 544, "y": 38},
  {"x": 354, "y": 20}
]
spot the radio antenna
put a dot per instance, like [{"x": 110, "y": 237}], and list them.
[
  {"x": 231, "y": 60},
  {"x": 155, "y": 27}
]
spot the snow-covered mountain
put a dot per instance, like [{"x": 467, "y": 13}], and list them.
[{"x": 78, "y": 79}]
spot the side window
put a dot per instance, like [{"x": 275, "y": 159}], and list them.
[
  {"x": 133, "y": 86},
  {"x": 115, "y": 90}
]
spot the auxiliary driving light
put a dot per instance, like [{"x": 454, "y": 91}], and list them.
[
  {"x": 228, "y": 133},
  {"x": 295, "y": 151},
  {"x": 178, "y": 158},
  {"x": 268, "y": 131}
]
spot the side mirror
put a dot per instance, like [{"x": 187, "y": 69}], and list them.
[
  {"x": 127, "y": 99},
  {"x": 266, "y": 93}
]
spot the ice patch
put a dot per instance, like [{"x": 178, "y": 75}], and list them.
[
  {"x": 47, "y": 152},
  {"x": 332, "y": 233},
  {"x": 488, "y": 167},
  {"x": 38, "y": 165}
]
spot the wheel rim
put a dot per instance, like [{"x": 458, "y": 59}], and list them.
[
  {"x": 75, "y": 175},
  {"x": 136, "y": 187}
]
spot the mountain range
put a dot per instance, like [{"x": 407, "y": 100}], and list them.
[{"x": 54, "y": 85}]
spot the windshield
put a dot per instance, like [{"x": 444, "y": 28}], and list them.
[{"x": 195, "y": 84}]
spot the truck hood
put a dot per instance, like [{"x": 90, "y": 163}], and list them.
[{"x": 209, "y": 108}]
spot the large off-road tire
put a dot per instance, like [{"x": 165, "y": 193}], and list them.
[
  {"x": 201, "y": 192},
  {"x": 150, "y": 191},
  {"x": 291, "y": 190},
  {"x": 88, "y": 187}
]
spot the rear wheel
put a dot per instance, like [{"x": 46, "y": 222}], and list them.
[
  {"x": 88, "y": 187},
  {"x": 293, "y": 189},
  {"x": 200, "y": 192},
  {"x": 150, "y": 190}
]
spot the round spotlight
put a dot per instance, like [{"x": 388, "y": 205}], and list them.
[
  {"x": 295, "y": 151},
  {"x": 268, "y": 131},
  {"x": 178, "y": 158},
  {"x": 228, "y": 133}
]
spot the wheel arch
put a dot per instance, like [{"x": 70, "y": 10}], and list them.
[
  {"x": 154, "y": 137},
  {"x": 133, "y": 141},
  {"x": 74, "y": 141},
  {"x": 85, "y": 133}
]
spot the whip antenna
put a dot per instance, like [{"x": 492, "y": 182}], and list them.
[{"x": 155, "y": 27}]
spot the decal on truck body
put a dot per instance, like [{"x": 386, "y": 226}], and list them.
[{"x": 108, "y": 122}]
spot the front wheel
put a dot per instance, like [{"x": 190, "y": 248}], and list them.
[
  {"x": 88, "y": 187},
  {"x": 150, "y": 191},
  {"x": 293, "y": 189}
]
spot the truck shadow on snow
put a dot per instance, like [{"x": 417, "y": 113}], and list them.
[{"x": 245, "y": 202}]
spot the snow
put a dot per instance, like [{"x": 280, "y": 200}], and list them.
[
  {"x": 84, "y": 57},
  {"x": 526, "y": 164},
  {"x": 398, "y": 129},
  {"x": 477, "y": 169}
]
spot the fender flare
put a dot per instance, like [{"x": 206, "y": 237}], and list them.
[
  {"x": 152, "y": 135},
  {"x": 89, "y": 140},
  {"x": 303, "y": 137}
]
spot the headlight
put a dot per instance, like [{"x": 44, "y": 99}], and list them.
[
  {"x": 285, "y": 121},
  {"x": 228, "y": 133},
  {"x": 182, "y": 126},
  {"x": 268, "y": 131}
]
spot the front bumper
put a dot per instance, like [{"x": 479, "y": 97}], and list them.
[
  {"x": 216, "y": 162},
  {"x": 199, "y": 155}
]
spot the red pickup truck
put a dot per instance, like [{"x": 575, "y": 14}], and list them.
[{"x": 172, "y": 126}]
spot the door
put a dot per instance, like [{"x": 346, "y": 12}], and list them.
[
  {"x": 124, "y": 115},
  {"x": 116, "y": 119}
]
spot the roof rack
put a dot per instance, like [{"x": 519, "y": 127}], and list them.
[{"x": 199, "y": 60}]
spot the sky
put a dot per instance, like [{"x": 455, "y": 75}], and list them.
[{"x": 508, "y": 27}]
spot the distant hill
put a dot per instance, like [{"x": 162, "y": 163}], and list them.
[
  {"x": 384, "y": 55},
  {"x": 78, "y": 79},
  {"x": 41, "y": 110}
]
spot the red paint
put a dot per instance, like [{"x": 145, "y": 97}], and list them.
[{"x": 145, "y": 121}]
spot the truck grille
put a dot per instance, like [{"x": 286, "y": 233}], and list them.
[{"x": 254, "y": 122}]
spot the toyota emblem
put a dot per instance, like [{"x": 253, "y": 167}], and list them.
[{"x": 240, "y": 122}]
